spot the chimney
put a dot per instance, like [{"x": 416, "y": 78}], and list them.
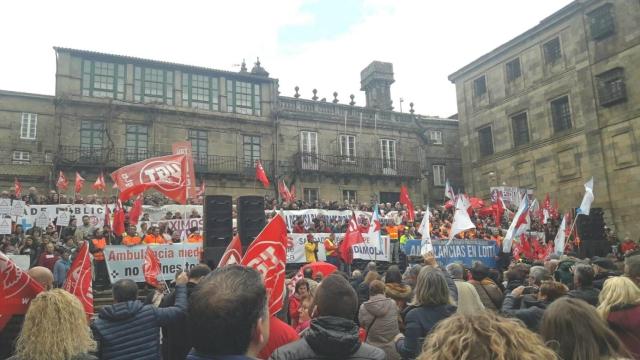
[{"x": 376, "y": 80}]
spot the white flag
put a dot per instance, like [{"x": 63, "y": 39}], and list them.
[
  {"x": 426, "y": 245},
  {"x": 519, "y": 224},
  {"x": 585, "y": 206},
  {"x": 461, "y": 220},
  {"x": 558, "y": 243}
]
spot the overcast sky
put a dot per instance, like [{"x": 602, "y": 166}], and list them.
[{"x": 319, "y": 44}]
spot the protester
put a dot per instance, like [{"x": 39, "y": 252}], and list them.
[
  {"x": 48, "y": 258},
  {"x": 469, "y": 302},
  {"x": 304, "y": 314},
  {"x": 395, "y": 289},
  {"x": 58, "y": 313},
  {"x": 154, "y": 237},
  {"x": 363, "y": 287},
  {"x": 431, "y": 304},
  {"x": 131, "y": 238},
  {"x": 295, "y": 300},
  {"x": 583, "y": 285},
  {"x": 532, "y": 312},
  {"x": 311, "y": 249},
  {"x": 29, "y": 248},
  {"x": 483, "y": 336},
  {"x": 194, "y": 236},
  {"x": 603, "y": 269},
  {"x": 331, "y": 249},
  {"x": 228, "y": 315},
  {"x": 96, "y": 248},
  {"x": 43, "y": 276},
  {"x": 620, "y": 307},
  {"x": 280, "y": 334},
  {"x": 61, "y": 268},
  {"x": 128, "y": 315},
  {"x": 308, "y": 275},
  {"x": 573, "y": 329},
  {"x": 411, "y": 275},
  {"x": 86, "y": 229},
  {"x": 175, "y": 340},
  {"x": 489, "y": 292},
  {"x": 332, "y": 334},
  {"x": 632, "y": 268},
  {"x": 379, "y": 317}
]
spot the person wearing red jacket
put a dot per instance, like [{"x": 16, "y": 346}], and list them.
[{"x": 48, "y": 258}]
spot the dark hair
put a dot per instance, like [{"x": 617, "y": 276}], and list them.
[
  {"x": 584, "y": 274},
  {"x": 553, "y": 290},
  {"x": 565, "y": 318},
  {"x": 376, "y": 287},
  {"x": 125, "y": 290},
  {"x": 199, "y": 271},
  {"x": 393, "y": 275},
  {"x": 307, "y": 272},
  {"x": 302, "y": 282},
  {"x": 224, "y": 309},
  {"x": 336, "y": 297},
  {"x": 479, "y": 271}
]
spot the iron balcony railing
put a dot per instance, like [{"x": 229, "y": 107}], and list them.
[{"x": 346, "y": 165}]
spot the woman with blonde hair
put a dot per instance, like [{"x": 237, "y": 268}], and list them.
[
  {"x": 55, "y": 328},
  {"x": 484, "y": 335},
  {"x": 620, "y": 307}
]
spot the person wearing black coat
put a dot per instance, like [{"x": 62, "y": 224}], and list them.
[
  {"x": 128, "y": 329},
  {"x": 533, "y": 310},
  {"x": 583, "y": 285}
]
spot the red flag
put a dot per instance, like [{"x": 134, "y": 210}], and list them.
[
  {"x": 118, "y": 219},
  {"x": 405, "y": 200},
  {"x": 78, "y": 280},
  {"x": 17, "y": 289},
  {"x": 164, "y": 173},
  {"x": 99, "y": 184},
  {"x": 261, "y": 175},
  {"x": 351, "y": 237},
  {"x": 202, "y": 190},
  {"x": 284, "y": 192},
  {"x": 79, "y": 182},
  {"x": 293, "y": 192},
  {"x": 62, "y": 182},
  {"x": 107, "y": 216},
  {"x": 498, "y": 210},
  {"x": 151, "y": 268},
  {"x": 233, "y": 254},
  {"x": 136, "y": 211},
  {"x": 17, "y": 188},
  {"x": 268, "y": 254},
  {"x": 184, "y": 148}
]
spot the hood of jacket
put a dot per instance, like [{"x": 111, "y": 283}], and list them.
[
  {"x": 398, "y": 291},
  {"x": 626, "y": 318},
  {"x": 121, "y": 311},
  {"x": 333, "y": 337},
  {"x": 379, "y": 305}
]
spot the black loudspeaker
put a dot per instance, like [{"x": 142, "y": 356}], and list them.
[
  {"x": 592, "y": 235},
  {"x": 251, "y": 218},
  {"x": 218, "y": 220}
]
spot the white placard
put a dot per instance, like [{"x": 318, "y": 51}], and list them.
[
  {"x": 5, "y": 206},
  {"x": 5, "y": 226},
  {"x": 17, "y": 207},
  {"x": 63, "y": 219},
  {"x": 42, "y": 220},
  {"x": 21, "y": 261}
]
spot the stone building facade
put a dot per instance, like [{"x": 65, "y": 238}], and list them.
[
  {"x": 111, "y": 110},
  {"x": 557, "y": 105}
]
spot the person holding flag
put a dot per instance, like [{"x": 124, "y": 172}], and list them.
[
  {"x": 425, "y": 233},
  {"x": 518, "y": 226},
  {"x": 352, "y": 237},
  {"x": 331, "y": 250}
]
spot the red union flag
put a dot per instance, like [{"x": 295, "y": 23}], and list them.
[
  {"x": 78, "y": 281},
  {"x": 351, "y": 237},
  {"x": 17, "y": 289},
  {"x": 164, "y": 173},
  {"x": 268, "y": 254},
  {"x": 261, "y": 175},
  {"x": 62, "y": 182},
  {"x": 99, "y": 184},
  {"x": 151, "y": 268},
  {"x": 79, "y": 183},
  {"x": 17, "y": 188},
  {"x": 184, "y": 148},
  {"x": 233, "y": 254},
  {"x": 406, "y": 200}
]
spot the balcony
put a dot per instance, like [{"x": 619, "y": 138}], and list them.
[
  {"x": 341, "y": 165},
  {"x": 76, "y": 156}
]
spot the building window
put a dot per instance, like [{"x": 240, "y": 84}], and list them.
[
  {"x": 200, "y": 91},
  {"x": 520, "y": 129},
  {"x": 513, "y": 69},
  {"x": 388, "y": 151},
  {"x": 348, "y": 147},
  {"x": 389, "y": 197},
  {"x": 153, "y": 85},
  {"x": 349, "y": 196},
  {"x": 199, "y": 145},
  {"x": 480, "y": 86},
  {"x": 310, "y": 195},
  {"x": 439, "y": 175},
  {"x": 309, "y": 150},
  {"x": 552, "y": 50},
  {"x": 251, "y": 148},
  {"x": 561, "y": 114},
  {"x": 103, "y": 79},
  {"x": 91, "y": 134},
  {"x": 611, "y": 88},
  {"x": 21, "y": 157},
  {"x": 601, "y": 22},
  {"x": 137, "y": 142},
  {"x": 48, "y": 157},
  {"x": 485, "y": 136},
  {"x": 436, "y": 137},
  {"x": 243, "y": 97},
  {"x": 28, "y": 126}
]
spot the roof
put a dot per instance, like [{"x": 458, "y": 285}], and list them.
[
  {"x": 551, "y": 20},
  {"x": 26, "y": 94},
  {"x": 96, "y": 54}
]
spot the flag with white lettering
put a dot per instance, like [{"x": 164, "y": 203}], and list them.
[{"x": 78, "y": 281}]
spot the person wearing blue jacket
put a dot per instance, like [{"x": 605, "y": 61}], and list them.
[{"x": 128, "y": 329}]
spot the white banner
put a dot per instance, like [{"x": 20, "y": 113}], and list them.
[
  {"x": 21, "y": 261},
  {"x": 32, "y": 212},
  {"x": 366, "y": 251},
  {"x": 308, "y": 215},
  {"x": 157, "y": 213},
  {"x": 124, "y": 262}
]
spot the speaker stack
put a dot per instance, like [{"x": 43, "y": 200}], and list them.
[
  {"x": 218, "y": 226},
  {"x": 592, "y": 234},
  {"x": 251, "y": 218}
]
